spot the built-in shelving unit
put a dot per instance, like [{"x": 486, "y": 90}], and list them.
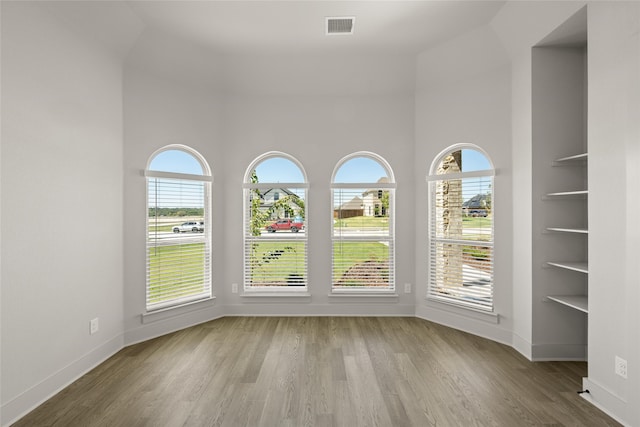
[
  {"x": 569, "y": 230},
  {"x": 560, "y": 193},
  {"x": 577, "y": 159},
  {"x": 581, "y": 267},
  {"x": 577, "y": 302},
  {"x": 581, "y": 193}
]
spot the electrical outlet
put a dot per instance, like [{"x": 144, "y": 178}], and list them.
[
  {"x": 407, "y": 288},
  {"x": 94, "y": 326},
  {"x": 621, "y": 367},
  {"x": 234, "y": 288}
]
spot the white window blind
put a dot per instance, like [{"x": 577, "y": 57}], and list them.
[
  {"x": 178, "y": 242},
  {"x": 461, "y": 237},
  {"x": 363, "y": 237},
  {"x": 275, "y": 237}
]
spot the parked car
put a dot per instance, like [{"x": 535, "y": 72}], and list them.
[
  {"x": 478, "y": 213},
  {"x": 288, "y": 224},
  {"x": 193, "y": 226}
]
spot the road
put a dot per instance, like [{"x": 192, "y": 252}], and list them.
[{"x": 165, "y": 238}]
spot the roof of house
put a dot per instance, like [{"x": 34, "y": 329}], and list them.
[{"x": 353, "y": 204}]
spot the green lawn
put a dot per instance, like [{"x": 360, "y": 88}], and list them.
[
  {"x": 359, "y": 254},
  {"x": 277, "y": 263},
  {"x": 363, "y": 222},
  {"x": 476, "y": 222},
  {"x": 272, "y": 264},
  {"x": 174, "y": 267}
]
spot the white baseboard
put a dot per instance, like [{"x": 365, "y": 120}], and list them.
[
  {"x": 559, "y": 352},
  {"x": 168, "y": 324},
  {"x": 27, "y": 401},
  {"x": 463, "y": 323},
  {"x": 344, "y": 308},
  {"x": 605, "y": 400},
  {"x": 522, "y": 346}
]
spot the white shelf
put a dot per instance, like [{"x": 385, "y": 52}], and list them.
[
  {"x": 569, "y": 193},
  {"x": 569, "y": 159},
  {"x": 581, "y": 267},
  {"x": 578, "y": 302},
  {"x": 569, "y": 230}
]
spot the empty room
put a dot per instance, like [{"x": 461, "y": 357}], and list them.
[{"x": 319, "y": 213}]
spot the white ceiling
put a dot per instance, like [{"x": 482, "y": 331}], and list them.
[{"x": 249, "y": 27}]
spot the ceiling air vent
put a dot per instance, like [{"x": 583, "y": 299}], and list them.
[{"x": 340, "y": 25}]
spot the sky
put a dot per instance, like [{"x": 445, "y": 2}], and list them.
[
  {"x": 357, "y": 169},
  {"x": 473, "y": 160},
  {"x": 177, "y": 161}
]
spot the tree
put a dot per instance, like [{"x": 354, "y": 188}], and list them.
[
  {"x": 258, "y": 218},
  {"x": 385, "y": 203},
  {"x": 285, "y": 204}
]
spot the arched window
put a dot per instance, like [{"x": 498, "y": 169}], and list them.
[
  {"x": 461, "y": 228},
  {"x": 275, "y": 224},
  {"x": 178, "y": 228},
  {"x": 362, "y": 193}
]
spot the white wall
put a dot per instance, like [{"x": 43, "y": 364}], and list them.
[
  {"x": 614, "y": 249},
  {"x": 61, "y": 205},
  {"x": 463, "y": 96}
]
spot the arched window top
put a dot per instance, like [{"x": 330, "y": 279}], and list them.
[
  {"x": 461, "y": 158},
  {"x": 178, "y": 159},
  {"x": 363, "y": 167},
  {"x": 275, "y": 167}
]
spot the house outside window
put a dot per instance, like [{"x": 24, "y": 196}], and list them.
[
  {"x": 178, "y": 230},
  {"x": 461, "y": 227},
  {"x": 363, "y": 241},
  {"x": 275, "y": 225}
]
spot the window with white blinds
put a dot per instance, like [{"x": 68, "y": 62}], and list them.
[
  {"x": 461, "y": 229},
  {"x": 275, "y": 225},
  {"x": 178, "y": 229},
  {"x": 362, "y": 196}
]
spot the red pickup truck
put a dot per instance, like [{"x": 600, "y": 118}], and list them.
[{"x": 288, "y": 224}]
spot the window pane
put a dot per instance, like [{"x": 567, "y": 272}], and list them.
[
  {"x": 361, "y": 169},
  {"x": 278, "y": 169},
  {"x": 461, "y": 260},
  {"x": 176, "y": 271},
  {"x": 176, "y": 161},
  {"x": 275, "y": 237},
  {"x": 361, "y": 264},
  {"x": 276, "y": 263},
  {"x": 361, "y": 212},
  {"x": 465, "y": 160},
  {"x": 177, "y": 242},
  {"x": 463, "y": 209},
  {"x": 362, "y": 232},
  {"x": 463, "y": 272},
  {"x": 276, "y": 210}
]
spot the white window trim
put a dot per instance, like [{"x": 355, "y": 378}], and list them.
[
  {"x": 366, "y": 292},
  {"x": 453, "y": 304},
  {"x": 289, "y": 292},
  {"x": 192, "y": 302}
]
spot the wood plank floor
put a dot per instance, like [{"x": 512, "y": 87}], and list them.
[{"x": 321, "y": 371}]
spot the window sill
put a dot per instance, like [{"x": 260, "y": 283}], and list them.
[
  {"x": 381, "y": 295},
  {"x": 177, "y": 310},
  {"x": 275, "y": 294},
  {"x": 469, "y": 312}
]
